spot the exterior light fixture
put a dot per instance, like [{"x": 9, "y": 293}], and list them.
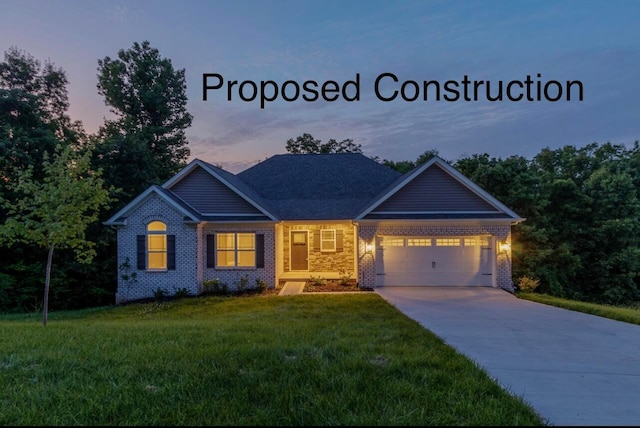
[
  {"x": 505, "y": 246},
  {"x": 368, "y": 247}
]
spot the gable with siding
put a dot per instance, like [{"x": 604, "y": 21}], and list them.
[
  {"x": 434, "y": 191},
  {"x": 208, "y": 195}
]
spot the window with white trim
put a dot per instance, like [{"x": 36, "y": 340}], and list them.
[
  {"x": 156, "y": 246},
  {"x": 328, "y": 240},
  {"x": 236, "y": 250}
]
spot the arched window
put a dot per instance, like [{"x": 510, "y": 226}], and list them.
[{"x": 156, "y": 245}]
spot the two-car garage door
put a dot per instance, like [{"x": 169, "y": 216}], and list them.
[{"x": 436, "y": 261}]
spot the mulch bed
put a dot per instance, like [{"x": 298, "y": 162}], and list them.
[{"x": 332, "y": 286}]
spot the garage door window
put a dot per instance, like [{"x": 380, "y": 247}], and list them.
[
  {"x": 448, "y": 242},
  {"x": 418, "y": 242},
  {"x": 393, "y": 242}
]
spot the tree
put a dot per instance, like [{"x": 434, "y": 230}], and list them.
[
  {"x": 55, "y": 213},
  {"x": 146, "y": 144},
  {"x": 406, "y": 166},
  {"x": 306, "y": 144},
  {"x": 33, "y": 121}
]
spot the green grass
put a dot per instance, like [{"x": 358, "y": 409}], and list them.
[
  {"x": 291, "y": 360},
  {"x": 625, "y": 314}
]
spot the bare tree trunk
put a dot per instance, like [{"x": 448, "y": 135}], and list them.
[{"x": 45, "y": 306}]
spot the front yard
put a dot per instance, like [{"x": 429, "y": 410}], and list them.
[{"x": 342, "y": 359}]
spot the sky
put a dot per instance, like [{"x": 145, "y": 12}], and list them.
[{"x": 594, "y": 42}]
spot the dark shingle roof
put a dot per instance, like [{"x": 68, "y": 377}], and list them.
[{"x": 320, "y": 186}]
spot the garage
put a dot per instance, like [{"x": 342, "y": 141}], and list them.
[{"x": 434, "y": 261}]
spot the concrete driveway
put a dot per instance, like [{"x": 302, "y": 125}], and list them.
[{"x": 572, "y": 368}]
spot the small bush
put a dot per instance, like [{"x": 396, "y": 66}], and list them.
[
  {"x": 214, "y": 287},
  {"x": 261, "y": 285},
  {"x": 241, "y": 283},
  {"x": 527, "y": 284},
  {"x": 345, "y": 278},
  {"x": 180, "y": 292},
  {"x": 317, "y": 281},
  {"x": 160, "y": 294}
]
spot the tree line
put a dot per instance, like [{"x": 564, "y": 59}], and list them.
[{"x": 580, "y": 238}]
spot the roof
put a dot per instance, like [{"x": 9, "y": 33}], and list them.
[
  {"x": 344, "y": 186},
  {"x": 318, "y": 186}
]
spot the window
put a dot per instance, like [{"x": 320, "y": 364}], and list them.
[
  {"x": 236, "y": 250},
  {"x": 392, "y": 242},
  {"x": 156, "y": 250},
  {"x": 156, "y": 245},
  {"x": 418, "y": 242},
  {"x": 328, "y": 240},
  {"x": 448, "y": 242}
]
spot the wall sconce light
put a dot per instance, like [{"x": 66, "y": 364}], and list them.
[
  {"x": 368, "y": 247},
  {"x": 505, "y": 246}
]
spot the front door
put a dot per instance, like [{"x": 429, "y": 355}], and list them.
[{"x": 299, "y": 250}]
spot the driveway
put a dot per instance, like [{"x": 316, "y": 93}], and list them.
[{"x": 573, "y": 368}]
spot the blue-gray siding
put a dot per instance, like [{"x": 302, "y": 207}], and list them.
[
  {"x": 208, "y": 195},
  {"x": 434, "y": 190}
]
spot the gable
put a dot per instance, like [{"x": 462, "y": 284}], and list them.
[
  {"x": 208, "y": 195},
  {"x": 434, "y": 190}
]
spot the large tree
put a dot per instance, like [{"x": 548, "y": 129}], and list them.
[
  {"x": 55, "y": 212},
  {"x": 146, "y": 143}
]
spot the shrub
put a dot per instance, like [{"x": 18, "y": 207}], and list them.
[
  {"x": 214, "y": 287},
  {"x": 345, "y": 278},
  {"x": 527, "y": 284},
  {"x": 241, "y": 283},
  {"x": 180, "y": 292},
  {"x": 160, "y": 294},
  {"x": 261, "y": 285},
  {"x": 317, "y": 281}
]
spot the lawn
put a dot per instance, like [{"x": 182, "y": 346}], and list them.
[
  {"x": 629, "y": 314},
  {"x": 347, "y": 359}
]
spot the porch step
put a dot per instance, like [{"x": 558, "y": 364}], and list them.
[{"x": 291, "y": 287}]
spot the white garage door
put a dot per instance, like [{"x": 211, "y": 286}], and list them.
[{"x": 439, "y": 261}]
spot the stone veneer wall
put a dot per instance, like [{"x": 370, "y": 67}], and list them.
[
  {"x": 323, "y": 261},
  {"x": 367, "y": 233},
  {"x": 231, "y": 277},
  {"x": 147, "y": 282}
]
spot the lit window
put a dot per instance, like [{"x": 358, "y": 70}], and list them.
[
  {"x": 471, "y": 242},
  {"x": 327, "y": 240},
  {"x": 448, "y": 242},
  {"x": 156, "y": 245},
  {"x": 236, "y": 250},
  {"x": 393, "y": 242},
  {"x": 418, "y": 242}
]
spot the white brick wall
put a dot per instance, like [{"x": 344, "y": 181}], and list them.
[
  {"x": 367, "y": 233},
  {"x": 147, "y": 282}
]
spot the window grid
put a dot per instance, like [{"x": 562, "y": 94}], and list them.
[
  {"x": 156, "y": 246},
  {"x": 393, "y": 242},
  {"x": 328, "y": 240},
  {"x": 448, "y": 242},
  {"x": 418, "y": 242},
  {"x": 235, "y": 250}
]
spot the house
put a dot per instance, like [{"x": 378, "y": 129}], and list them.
[{"x": 297, "y": 216}]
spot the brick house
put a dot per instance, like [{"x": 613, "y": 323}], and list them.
[{"x": 293, "y": 217}]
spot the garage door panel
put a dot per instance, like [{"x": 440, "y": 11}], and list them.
[{"x": 446, "y": 262}]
